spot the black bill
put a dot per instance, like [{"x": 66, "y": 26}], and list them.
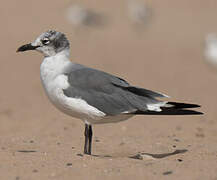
[{"x": 26, "y": 47}]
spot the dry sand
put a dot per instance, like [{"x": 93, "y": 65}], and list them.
[{"x": 37, "y": 142}]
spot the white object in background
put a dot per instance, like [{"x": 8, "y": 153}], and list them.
[
  {"x": 78, "y": 16},
  {"x": 211, "y": 49},
  {"x": 138, "y": 12}
]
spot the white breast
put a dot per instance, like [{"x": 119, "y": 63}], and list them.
[{"x": 54, "y": 82}]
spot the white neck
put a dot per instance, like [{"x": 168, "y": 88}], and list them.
[{"x": 54, "y": 65}]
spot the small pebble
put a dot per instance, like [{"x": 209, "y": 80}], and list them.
[
  {"x": 17, "y": 178},
  {"x": 80, "y": 155},
  {"x": 167, "y": 172},
  {"x": 180, "y": 160},
  {"x": 177, "y": 140},
  {"x": 96, "y": 139},
  {"x": 174, "y": 146},
  {"x": 58, "y": 143},
  {"x": 31, "y": 141},
  {"x": 69, "y": 164},
  {"x": 35, "y": 171}
]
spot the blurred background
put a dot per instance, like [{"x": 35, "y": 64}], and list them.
[{"x": 166, "y": 46}]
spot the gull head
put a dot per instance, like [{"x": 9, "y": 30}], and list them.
[{"x": 48, "y": 43}]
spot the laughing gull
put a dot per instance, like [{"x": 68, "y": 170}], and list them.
[{"x": 92, "y": 95}]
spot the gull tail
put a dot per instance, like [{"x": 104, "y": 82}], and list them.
[{"x": 173, "y": 108}]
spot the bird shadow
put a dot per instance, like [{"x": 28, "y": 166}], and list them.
[{"x": 158, "y": 156}]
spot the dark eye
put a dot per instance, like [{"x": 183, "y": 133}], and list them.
[{"x": 45, "y": 41}]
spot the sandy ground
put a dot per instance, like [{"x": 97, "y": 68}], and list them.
[{"x": 37, "y": 142}]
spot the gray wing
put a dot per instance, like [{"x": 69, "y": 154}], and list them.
[{"x": 108, "y": 93}]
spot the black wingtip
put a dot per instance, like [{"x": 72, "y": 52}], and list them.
[
  {"x": 175, "y": 109},
  {"x": 183, "y": 105},
  {"x": 170, "y": 112}
]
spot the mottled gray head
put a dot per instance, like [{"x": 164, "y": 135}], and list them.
[{"x": 49, "y": 43}]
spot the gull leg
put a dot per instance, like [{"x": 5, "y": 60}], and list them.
[
  {"x": 90, "y": 139},
  {"x": 86, "y": 135}
]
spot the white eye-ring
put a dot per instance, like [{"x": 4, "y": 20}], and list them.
[{"x": 45, "y": 41}]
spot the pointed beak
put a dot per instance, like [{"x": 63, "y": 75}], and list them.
[{"x": 27, "y": 47}]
